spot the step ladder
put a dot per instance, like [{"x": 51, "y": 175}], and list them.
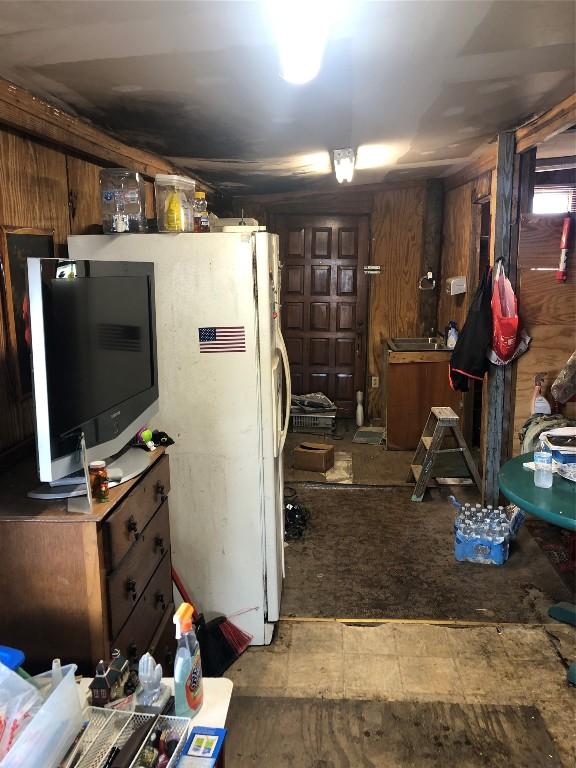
[{"x": 430, "y": 445}]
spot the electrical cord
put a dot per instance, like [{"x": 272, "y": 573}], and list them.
[{"x": 296, "y": 516}]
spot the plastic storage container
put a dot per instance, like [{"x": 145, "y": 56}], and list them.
[
  {"x": 174, "y": 203},
  {"x": 51, "y": 732},
  {"x": 123, "y": 201}
]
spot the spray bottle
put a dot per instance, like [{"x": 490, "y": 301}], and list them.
[{"x": 188, "y": 691}]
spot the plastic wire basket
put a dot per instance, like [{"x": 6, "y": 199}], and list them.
[
  {"x": 109, "y": 728},
  {"x": 306, "y": 422}
]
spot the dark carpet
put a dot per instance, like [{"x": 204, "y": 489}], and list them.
[
  {"x": 310, "y": 733},
  {"x": 372, "y": 553}
]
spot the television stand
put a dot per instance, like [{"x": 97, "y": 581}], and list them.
[{"x": 122, "y": 467}]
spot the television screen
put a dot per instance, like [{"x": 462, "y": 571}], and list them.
[
  {"x": 97, "y": 353},
  {"x": 98, "y": 343}
]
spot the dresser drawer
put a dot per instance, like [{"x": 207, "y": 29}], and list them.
[
  {"x": 163, "y": 644},
  {"x": 136, "y": 635},
  {"x": 129, "y": 580},
  {"x": 124, "y": 526}
]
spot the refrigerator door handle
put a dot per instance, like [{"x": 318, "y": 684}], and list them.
[{"x": 285, "y": 361}]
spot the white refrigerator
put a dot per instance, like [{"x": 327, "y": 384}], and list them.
[{"x": 222, "y": 368}]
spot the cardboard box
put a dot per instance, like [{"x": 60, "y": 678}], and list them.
[{"x": 314, "y": 457}]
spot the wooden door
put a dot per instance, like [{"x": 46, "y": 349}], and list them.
[{"x": 324, "y": 304}]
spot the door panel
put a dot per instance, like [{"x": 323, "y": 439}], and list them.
[
  {"x": 293, "y": 316},
  {"x": 324, "y": 304},
  {"x": 294, "y": 280},
  {"x": 320, "y": 316},
  {"x": 320, "y": 281}
]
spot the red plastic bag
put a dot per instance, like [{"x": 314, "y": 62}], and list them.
[{"x": 504, "y": 315}]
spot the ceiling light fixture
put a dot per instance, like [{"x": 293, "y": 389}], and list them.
[
  {"x": 301, "y": 29},
  {"x": 344, "y": 164}
]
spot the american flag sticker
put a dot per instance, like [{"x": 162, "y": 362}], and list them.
[{"x": 225, "y": 338}]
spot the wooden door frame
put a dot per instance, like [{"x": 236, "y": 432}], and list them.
[{"x": 363, "y": 296}]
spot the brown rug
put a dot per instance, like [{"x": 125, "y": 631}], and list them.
[
  {"x": 308, "y": 733},
  {"x": 372, "y": 553}
]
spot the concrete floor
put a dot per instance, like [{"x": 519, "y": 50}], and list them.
[
  {"x": 512, "y": 664},
  {"x": 371, "y": 464}
]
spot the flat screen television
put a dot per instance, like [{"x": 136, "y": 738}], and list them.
[{"x": 93, "y": 357}]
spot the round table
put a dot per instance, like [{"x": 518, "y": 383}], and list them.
[{"x": 556, "y": 505}]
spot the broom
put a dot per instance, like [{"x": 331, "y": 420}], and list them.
[{"x": 221, "y": 641}]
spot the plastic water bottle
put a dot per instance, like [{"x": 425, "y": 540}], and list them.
[{"x": 543, "y": 466}]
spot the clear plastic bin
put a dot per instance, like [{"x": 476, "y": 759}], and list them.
[
  {"x": 123, "y": 201},
  {"x": 174, "y": 203},
  {"x": 51, "y": 732}
]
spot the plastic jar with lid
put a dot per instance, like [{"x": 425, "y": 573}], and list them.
[
  {"x": 122, "y": 201},
  {"x": 174, "y": 203}
]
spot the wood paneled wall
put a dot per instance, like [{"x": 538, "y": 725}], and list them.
[
  {"x": 547, "y": 309},
  {"x": 33, "y": 193},
  {"x": 42, "y": 187},
  {"x": 397, "y": 239},
  {"x": 397, "y": 221},
  {"x": 461, "y": 246},
  {"x": 459, "y": 253}
]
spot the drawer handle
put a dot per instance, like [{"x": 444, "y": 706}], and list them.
[
  {"x": 159, "y": 544},
  {"x": 159, "y": 597},
  {"x": 161, "y": 491},
  {"x": 132, "y": 526},
  {"x": 131, "y": 588}
]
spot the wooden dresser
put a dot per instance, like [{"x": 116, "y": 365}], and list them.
[{"x": 76, "y": 586}]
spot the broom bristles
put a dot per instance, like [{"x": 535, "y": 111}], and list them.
[{"x": 236, "y": 638}]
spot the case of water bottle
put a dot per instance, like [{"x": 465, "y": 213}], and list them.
[{"x": 483, "y": 534}]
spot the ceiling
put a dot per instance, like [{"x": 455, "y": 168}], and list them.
[{"x": 198, "y": 81}]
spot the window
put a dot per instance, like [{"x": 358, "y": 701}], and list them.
[{"x": 550, "y": 200}]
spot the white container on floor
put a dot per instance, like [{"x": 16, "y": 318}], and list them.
[{"x": 359, "y": 409}]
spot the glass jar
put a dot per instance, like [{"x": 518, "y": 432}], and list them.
[
  {"x": 201, "y": 219},
  {"x": 98, "y": 480}
]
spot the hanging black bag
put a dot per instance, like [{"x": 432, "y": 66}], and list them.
[{"x": 469, "y": 360}]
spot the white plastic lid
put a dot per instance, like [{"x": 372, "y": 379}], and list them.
[
  {"x": 97, "y": 465},
  {"x": 171, "y": 178}
]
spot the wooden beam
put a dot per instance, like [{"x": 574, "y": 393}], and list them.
[
  {"x": 504, "y": 187},
  {"x": 359, "y": 196},
  {"x": 23, "y": 112},
  {"x": 566, "y": 178},
  {"x": 555, "y": 120},
  {"x": 478, "y": 167},
  {"x": 556, "y": 163},
  {"x": 523, "y": 189}
]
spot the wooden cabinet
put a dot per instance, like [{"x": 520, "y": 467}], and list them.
[
  {"x": 76, "y": 586},
  {"x": 413, "y": 383}
]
